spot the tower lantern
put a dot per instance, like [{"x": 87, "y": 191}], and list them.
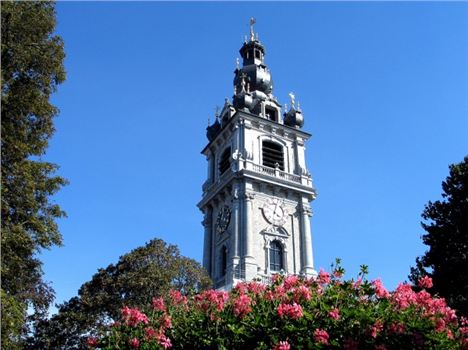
[{"x": 258, "y": 189}]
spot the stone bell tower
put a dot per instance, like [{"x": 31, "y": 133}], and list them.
[{"x": 258, "y": 188}]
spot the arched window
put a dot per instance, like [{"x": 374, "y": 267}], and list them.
[
  {"x": 223, "y": 260},
  {"x": 276, "y": 256},
  {"x": 272, "y": 154},
  {"x": 225, "y": 160},
  {"x": 271, "y": 113}
]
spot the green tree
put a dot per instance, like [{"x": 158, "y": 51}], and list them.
[
  {"x": 32, "y": 67},
  {"x": 146, "y": 272},
  {"x": 446, "y": 226}
]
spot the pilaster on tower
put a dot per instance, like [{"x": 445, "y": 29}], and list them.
[{"x": 258, "y": 188}]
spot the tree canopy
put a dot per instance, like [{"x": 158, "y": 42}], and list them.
[
  {"x": 146, "y": 272},
  {"x": 32, "y": 68},
  {"x": 446, "y": 226}
]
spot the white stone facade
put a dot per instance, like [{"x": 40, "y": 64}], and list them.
[{"x": 250, "y": 205}]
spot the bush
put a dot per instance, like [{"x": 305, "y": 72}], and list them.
[{"x": 293, "y": 313}]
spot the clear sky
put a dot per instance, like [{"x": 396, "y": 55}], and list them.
[{"x": 383, "y": 87}]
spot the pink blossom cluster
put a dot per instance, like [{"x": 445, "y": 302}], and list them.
[
  {"x": 158, "y": 304},
  {"x": 158, "y": 335},
  {"x": 425, "y": 282},
  {"x": 321, "y": 336},
  {"x": 329, "y": 304},
  {"x": 133, "y": 317},
  {"x": 293, "y": 310},
  {"x": 376, "y": 329},
  {"x": 324, "y": 277},
  {"x": 301, "y": 293},
  {"x": 334, "y": 314},
  {"x": 177, "y": 298},
  {"x": 380, "y": 290},
  {"x": 242, "y": 305},
  {"x": 134, "y": 343},
  {"x": 282, "y": 345},
  {"x": 212, "y": 299},
  {"x": 250, "y": 287}
]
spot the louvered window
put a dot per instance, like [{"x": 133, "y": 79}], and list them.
[
  {"x": 225, "y": 160},
  {"x": 272, "y": 154},
  {"x": 276, "y": 256}
]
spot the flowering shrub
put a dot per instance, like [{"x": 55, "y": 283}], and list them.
[{"x": 293, "y": 313}]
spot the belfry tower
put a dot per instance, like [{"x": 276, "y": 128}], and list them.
[{"x": 257, "y": 194}]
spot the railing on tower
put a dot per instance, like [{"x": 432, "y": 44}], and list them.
[
  {"x": 276, "y": 172},
  {"x": 264, "y": 170}
]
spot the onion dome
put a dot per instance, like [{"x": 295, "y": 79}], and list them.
[
  {"x": 213, "y": 130},
  {"x": 294, "y": 117}
]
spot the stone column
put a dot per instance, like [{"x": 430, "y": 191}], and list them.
[
  {"x": 235, "y": 229},
  {"x": 299, "y": 155},
  {"x": 306, "y": 241},
  {"x": 211, "y": 167},
  {"x": 249, "y": 259},
  {"x": 248, "y": 224},
  {"x": 207, "y": 245}
]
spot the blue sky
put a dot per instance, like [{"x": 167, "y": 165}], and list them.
[{"x": 383, "y": 87}]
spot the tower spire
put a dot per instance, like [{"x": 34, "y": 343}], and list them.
[{"x": 252, "y": 22}]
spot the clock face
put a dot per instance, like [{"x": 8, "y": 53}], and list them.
[
  {"x": 274, "y": 212},
  {"x": 222, "y": 222}
]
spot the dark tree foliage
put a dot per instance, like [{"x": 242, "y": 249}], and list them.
[
  {"x": 446, "y": 224},
  {"x": 138, "y": 276},
  {"x": 32, "y": 67}
]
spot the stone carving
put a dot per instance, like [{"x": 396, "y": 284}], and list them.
[{"x": 224, "y": 217}]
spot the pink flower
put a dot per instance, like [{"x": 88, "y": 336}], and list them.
[
  {"x": 242, "y": 305},
  {"x": 282, "y": 345},
  {"x": 165, "y": 321},
  {"x": 164, "y": 341},
  {"x": 279, "y": 293},
  {"x": 291, "y": 281},
  {"x": 334, "y": 314},
  {"x": 158, "y": 304},
  {"x": 381, "y": 347},
  {"x": 376, "y": 329},
  {"x": 321, "y": 336},
  {"x": 440, "y": 325},
  {"x": 133, "y": 317},
  {"x": 357, "y": 284},
  {"x": 134, "y": 343},
  {"x": 301, "y": 293},
  {"x": 92, "y": 341},
  {"x": 404, "y": 296},
  {"x": 323, "y": 277},
  {"x": 177, "y": 297},
  {"x": 150, "y": 333},
  {"x": 255, "y": 287},
  {"x": 293, "y": 310},
  {"x": 269, "y": 295},
  {"x": 212, "y": 298},
  {"x": 425, "y": 282},
  {"x": 380, "y": 290},
  {"x": 275, "y": 278},
  {"x": 241, "y": 287},
  {"x": 397, "y": 327}
]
